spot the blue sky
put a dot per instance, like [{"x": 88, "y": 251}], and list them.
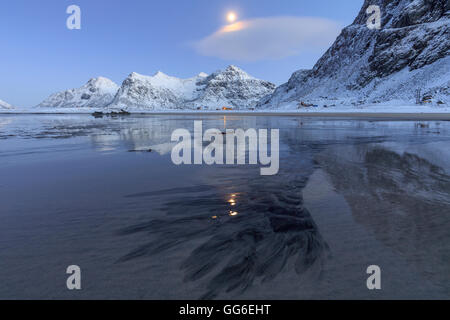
[{"x": 40, "y": 56}]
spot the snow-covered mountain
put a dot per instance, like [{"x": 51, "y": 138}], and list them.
[
  {"x": 155, "y": 92},
  {"x": 4, "y": 105},
  {"x": 408, "y": 58},
  {"x": 230, "y": 87},
  {"x": 96, "y": 93}
]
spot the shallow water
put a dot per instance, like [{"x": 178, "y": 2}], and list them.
[{"x": 349, "y": 194}]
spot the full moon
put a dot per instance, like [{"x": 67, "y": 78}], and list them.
[{"x": 231, "y": 17}]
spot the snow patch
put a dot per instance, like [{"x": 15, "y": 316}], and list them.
[{"x": 5, "y": 105}]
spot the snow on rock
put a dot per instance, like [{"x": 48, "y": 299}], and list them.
[
  {"x": 406, "y": 59},
  {"x": 231, "y": 87},
  {"x": 159, "y": 91},
  {"x": 4, "y": 105},
  {"x": 96, "y": 93}
]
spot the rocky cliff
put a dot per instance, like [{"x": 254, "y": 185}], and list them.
[{"x": 407, "y": 59}]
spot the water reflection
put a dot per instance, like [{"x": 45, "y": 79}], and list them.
[
  {"x": 241, "y": 230},
  {"x": 263, "y": 230},
  {"x": 225, "y": 231},
  {"x": 401, "y": 197}
]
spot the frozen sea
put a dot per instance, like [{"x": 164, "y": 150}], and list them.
[{"x": 350, "y": 193}]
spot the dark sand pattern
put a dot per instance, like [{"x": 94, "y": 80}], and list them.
[{"x": 245, "y": 230}]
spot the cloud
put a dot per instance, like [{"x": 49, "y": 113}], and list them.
[{"x": 269, "y": 38}]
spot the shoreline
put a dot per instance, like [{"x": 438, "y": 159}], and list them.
[{"x": 344, "y": 114}]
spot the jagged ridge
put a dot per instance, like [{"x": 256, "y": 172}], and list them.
[{"x": 230, "y": 87}]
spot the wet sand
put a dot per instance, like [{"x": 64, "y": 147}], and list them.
[{"x": 350, "y": 193}]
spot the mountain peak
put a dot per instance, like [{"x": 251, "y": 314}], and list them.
[
  {"x": 231, "y": 73},
  {"x": 160, "y": 74},
  {"x": 134, "y": 75},
  {"x": 5, "y": 105},
  {"x": 236, "y": 70},
  {"x": 233, "y": 68},
  {"x": 102, "y": 82},
  {"x": 96, "y": 93}
]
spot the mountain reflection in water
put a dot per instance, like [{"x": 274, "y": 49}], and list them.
[
  {"x": 402, "y": 198},
  {"x": 349, "y": 193}
]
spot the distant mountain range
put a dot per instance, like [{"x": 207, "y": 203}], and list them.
[{"x": 231, "y": 87}]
